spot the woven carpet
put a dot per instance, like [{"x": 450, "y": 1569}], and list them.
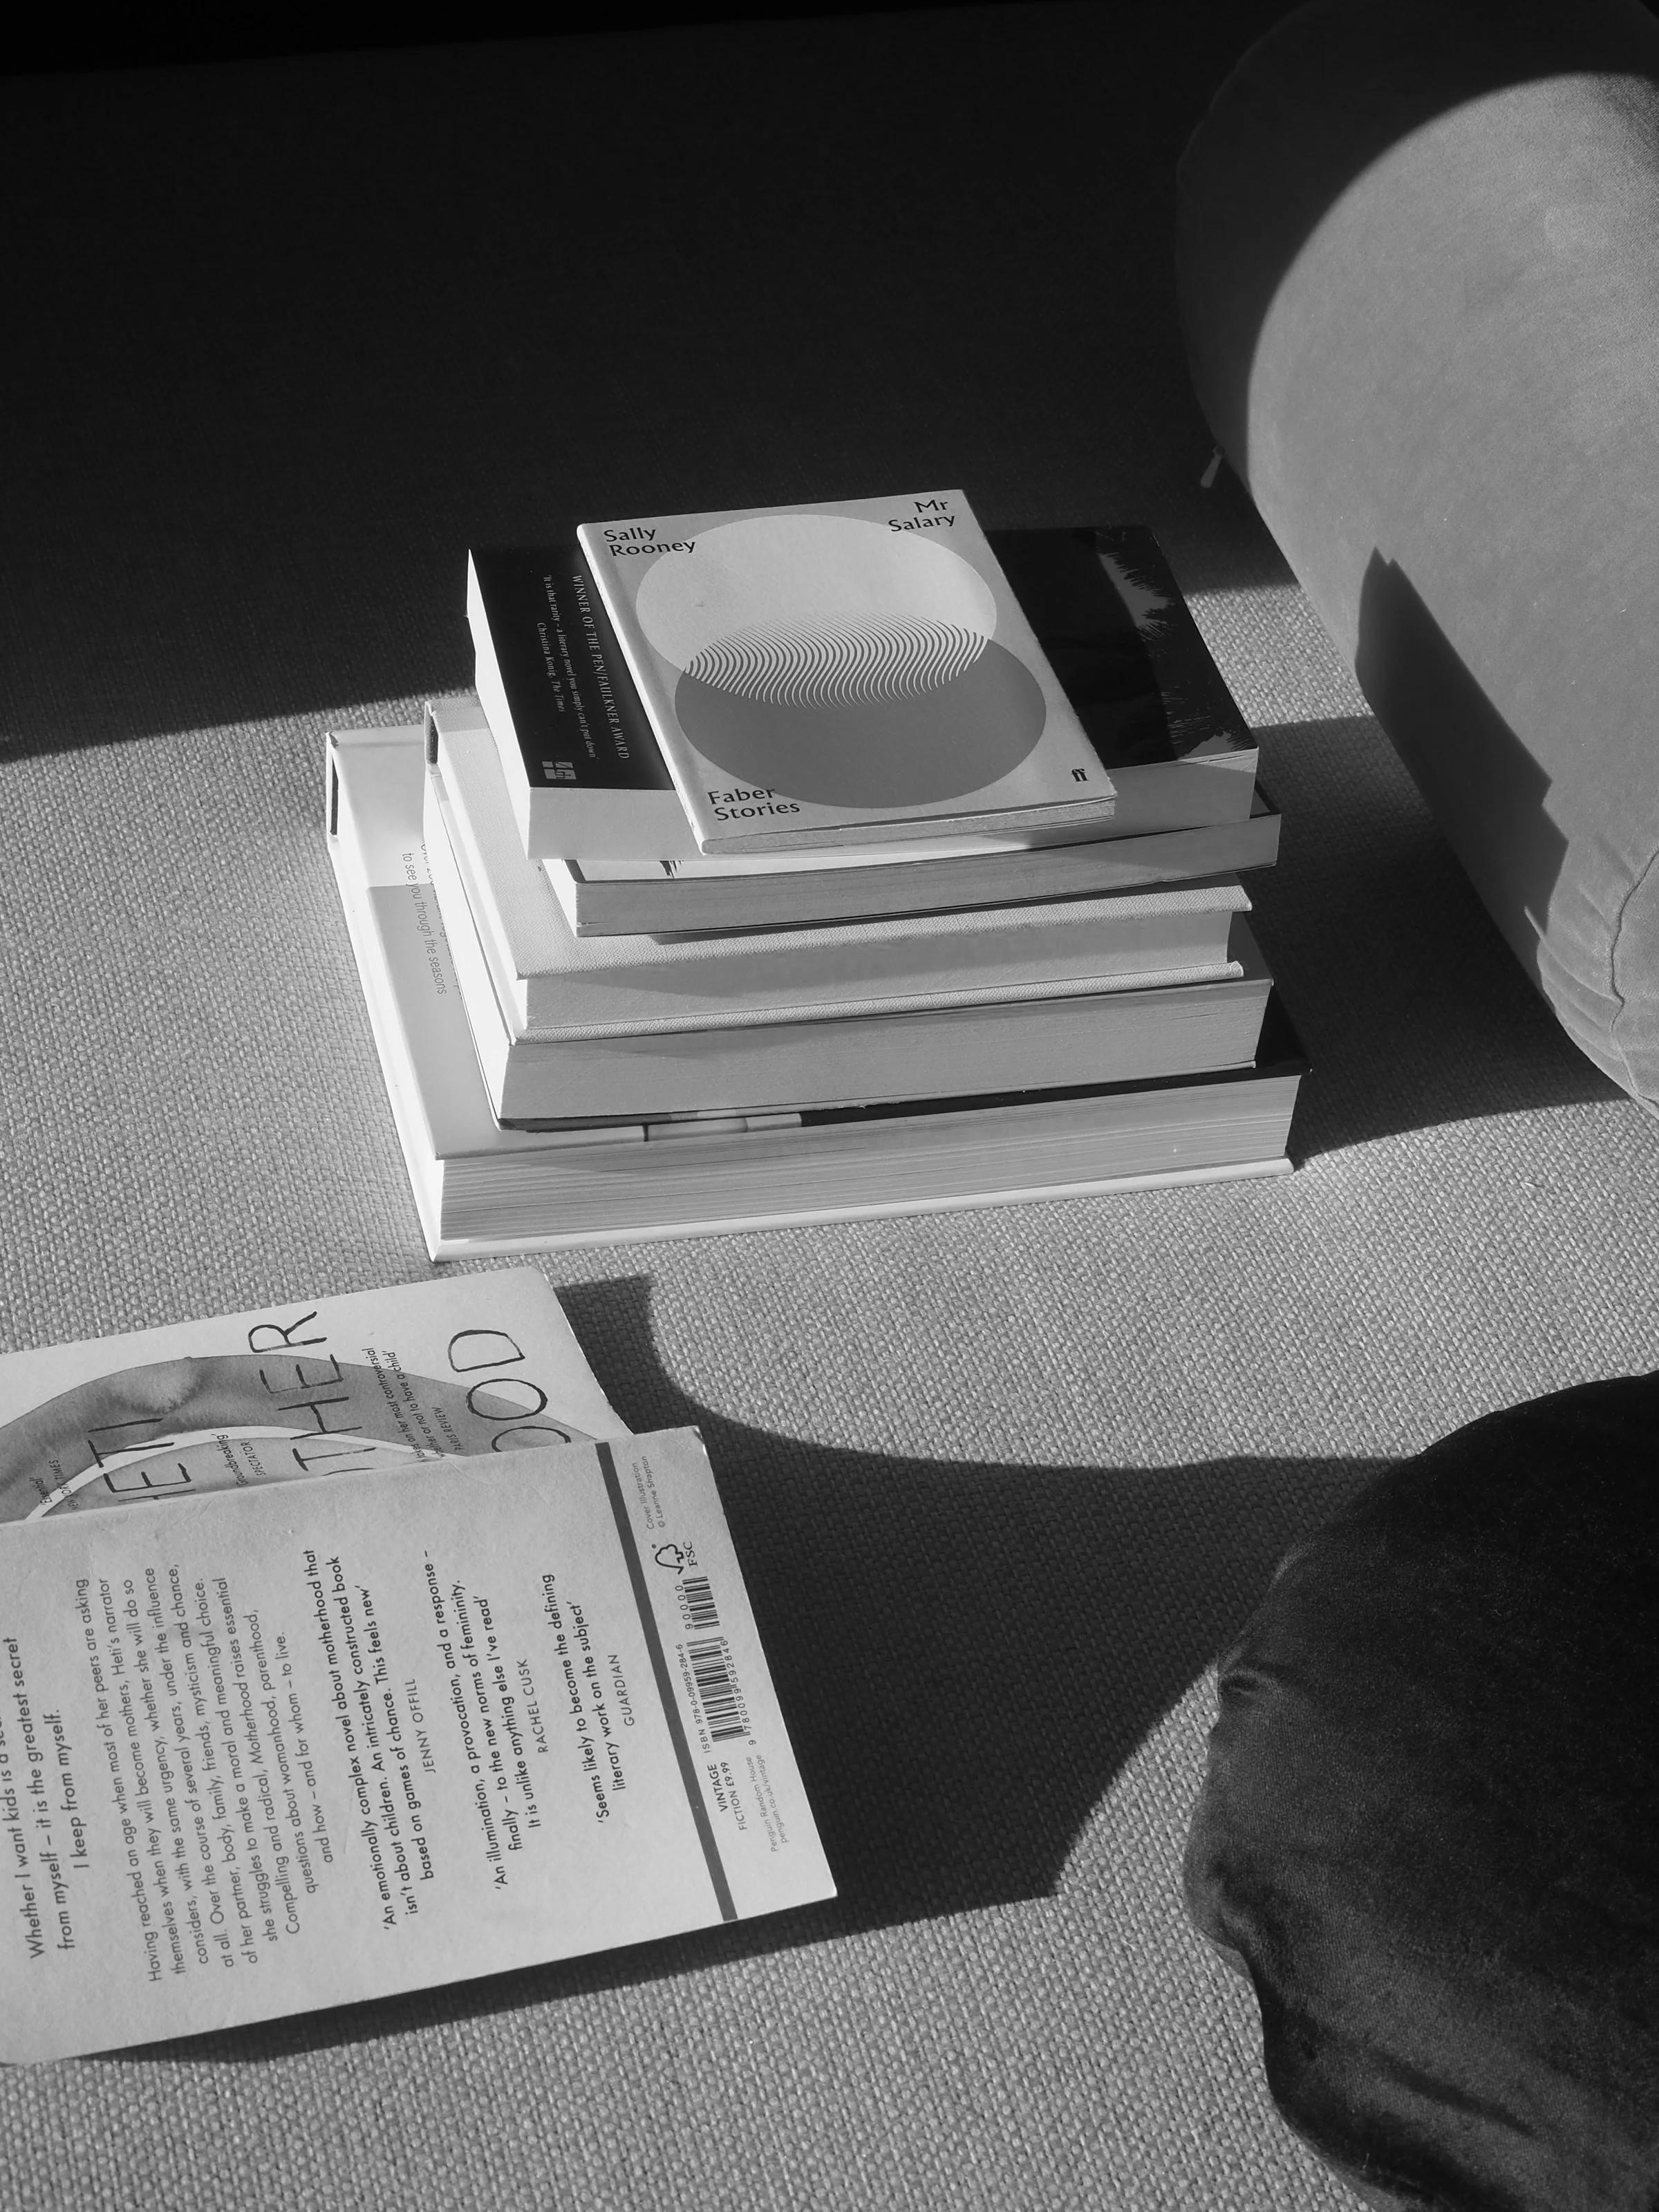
[{"x": 284, "y": 338}]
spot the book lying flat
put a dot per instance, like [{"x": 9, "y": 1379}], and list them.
[
  {"x": 841, "y": 672},
  {"x": 601, "y": 898},
  {"x": 588, "y": 784},
  {"x": 1053, "y": 1035},
  {"x": 303, "y": 1744},
  {"x": 549, "y": 983},
  {"x": 481, "y": 1188},
  {"x": 579, "y": 758}
]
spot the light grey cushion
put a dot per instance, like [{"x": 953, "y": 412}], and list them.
[{"x": 1420, "y": 291}]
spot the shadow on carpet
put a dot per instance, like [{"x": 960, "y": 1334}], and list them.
[
  {"x": 967, "y": 1655},
  {"x": 1413, "y": 1009}
]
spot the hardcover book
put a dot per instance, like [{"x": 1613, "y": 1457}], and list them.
[{"x": 842, "y": 673}]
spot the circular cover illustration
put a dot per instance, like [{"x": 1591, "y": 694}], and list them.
[
  {"x": 840, "y": 663},
  {"x": 174, "y": 1428}
]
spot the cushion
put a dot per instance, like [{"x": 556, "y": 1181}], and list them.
[
  {"x": 1430, "y": 1827},
  {"x": 1421, "y": 303}
]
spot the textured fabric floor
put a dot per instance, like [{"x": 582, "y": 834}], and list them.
[{"x": 1004, "y": 1484}]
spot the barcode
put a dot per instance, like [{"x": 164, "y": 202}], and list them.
[
  {"x": 699, "y": 1600},
  {"x": 717, "y": 1688}
]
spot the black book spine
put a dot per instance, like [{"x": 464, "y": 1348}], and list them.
[{"x": 578, "y": 718}]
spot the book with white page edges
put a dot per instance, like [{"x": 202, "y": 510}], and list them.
[
  {"x": 481, "y": 1188},
  {"x": 551, "y": 983}
]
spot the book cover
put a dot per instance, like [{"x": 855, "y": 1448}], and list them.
[
  {"x": 1109, "y": 615},
  {"x": 841, "y": 673},
  {"x": 281, "y": 1748},
  {"x": 316, "y": 1386}
]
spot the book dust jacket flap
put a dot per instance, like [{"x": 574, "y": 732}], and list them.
[{"x": 841, "y": 672}]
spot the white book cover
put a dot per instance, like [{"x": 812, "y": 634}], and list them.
[
  {"x": 301, "y": 1746},
  {"x": 841, "y": 672},
  {"x": 552, "y": 982},
  {"x": 318, "y": 1386},
  {"x": 608, "y": 898}
]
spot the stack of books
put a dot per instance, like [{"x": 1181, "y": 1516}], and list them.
[{"x": 796, "y": 863}]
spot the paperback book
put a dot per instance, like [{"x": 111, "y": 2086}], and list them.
[
  {"x": 1107, "y": 612},
  {"x": 601, "y": 898},
  {"x": 1056, "y": 1034},
  {"x": 842, "y": 673},
  {"x": 579, "y": 759},
  {"x": 314, "y": 1387},
  {"x": 550, "y": 984}
]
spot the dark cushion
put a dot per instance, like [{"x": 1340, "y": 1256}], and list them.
[
  {"x": 1420, "y": 294},
  {"x": 1430, "y": 1825}
]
